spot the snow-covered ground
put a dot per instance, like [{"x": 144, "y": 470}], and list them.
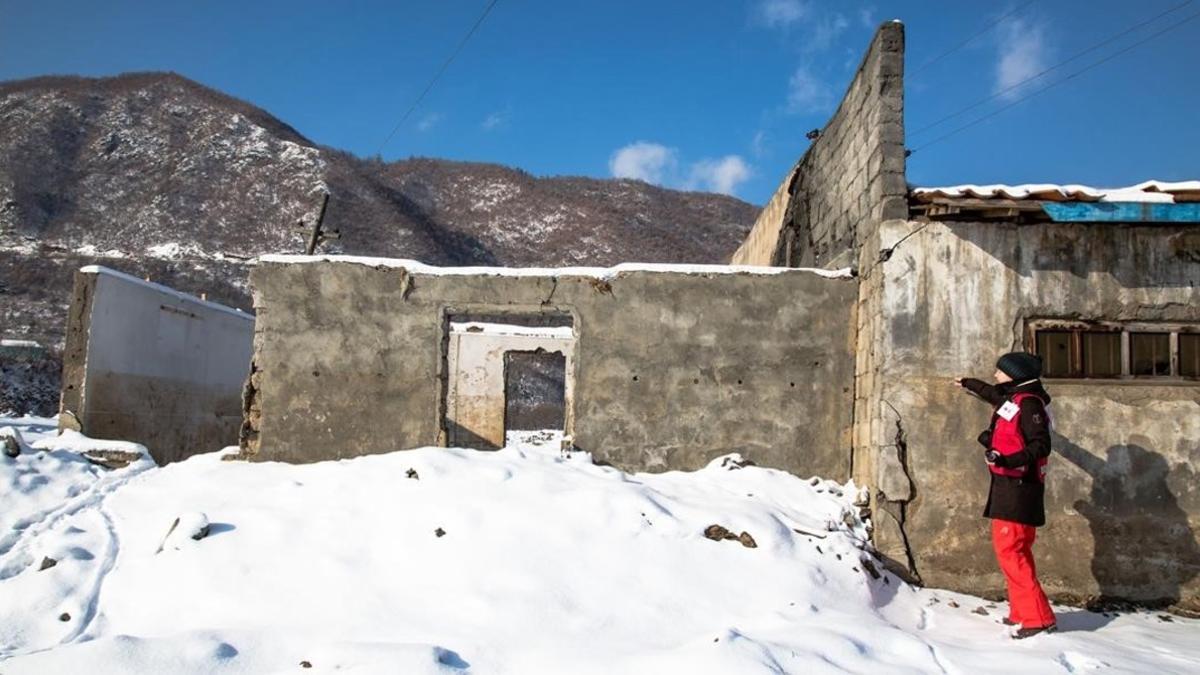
[{"x": 516, "y": 561}]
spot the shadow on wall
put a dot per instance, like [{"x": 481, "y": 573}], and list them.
[{"x": 1145, "y": 549}]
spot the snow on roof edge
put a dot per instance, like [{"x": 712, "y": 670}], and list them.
[
  {"x": 597, "y": 272},
  {"x": 180, "y": 295},
  {"x": 1151, "y": 191}
]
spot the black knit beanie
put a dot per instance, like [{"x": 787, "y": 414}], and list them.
[{"x": 1020, "y": 366}]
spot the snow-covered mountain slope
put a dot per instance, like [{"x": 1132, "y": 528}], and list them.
[
  {"x": 518, "y": 561},
  {"x": 161, "y": 177}
]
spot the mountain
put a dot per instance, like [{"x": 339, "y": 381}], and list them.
[{"x": 159, "y": 176}]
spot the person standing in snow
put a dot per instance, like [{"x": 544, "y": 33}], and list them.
[{"x": 1017, "y": 446}]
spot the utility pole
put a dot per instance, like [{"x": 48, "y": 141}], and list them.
[{"x": 318, "y": 236}]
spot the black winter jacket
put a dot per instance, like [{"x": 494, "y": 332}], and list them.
[{"x": 1020, "y": 500}]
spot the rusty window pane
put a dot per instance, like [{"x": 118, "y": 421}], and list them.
[
  {"x": 1150, "y": 353},
  {"x": 1101, "y": 354},
  {"x": 1189, "y": 354},
  {"x": 1057, "y": 349}
]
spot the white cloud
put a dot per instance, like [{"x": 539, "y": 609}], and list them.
[
  {"x": 428, "y": 122},
  {"x": 495, "y": 120},
  {"x": 642, "y": 160},
  {"x": 825, "y": 33},
  {"x": 808, "y": 93},
  {"x": 1023, "y": 54},
  {"x": 781, "y": 13},
  {"x": 759, "y": 145},
  {"x": 866, "y": 16},
  {"x": 658, "y": 164},
  {"x": 718, "y": 175}
]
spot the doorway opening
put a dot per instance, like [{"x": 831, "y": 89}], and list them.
[
  {"x": 535, "y": 392},
  {"x": 506, "y": 373}
]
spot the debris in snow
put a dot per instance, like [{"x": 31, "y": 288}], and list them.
[
  {"x": 193, "y": 525},
  {"x": 808, "y": 533},
  {"x": 47, "y": 563},
  {"x": 718, "y": 533},
  {"x": 952, "y": 604},
  {"x": 870, "y": 568},
  {"x": 412, "y": 473},
  {"x": 14, "y": 444},
  {"x": 980, "y": 611},
  {"x": 64, "y": 617},
  {"x": 734, "y": 461},
  {"x": 112, "y": 459},
  {"x": 305, "y": 664},
  {"x": 440, "y": 532}
]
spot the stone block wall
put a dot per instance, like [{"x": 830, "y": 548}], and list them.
[{"x": 850, "y": 179}]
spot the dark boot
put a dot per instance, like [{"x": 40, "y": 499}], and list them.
[{"x": 1023, "y": 633}]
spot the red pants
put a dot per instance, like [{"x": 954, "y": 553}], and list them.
[{"x": 1027, "y": 603}]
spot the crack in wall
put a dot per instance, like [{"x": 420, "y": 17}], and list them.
[{"x": 898, "y": 507}]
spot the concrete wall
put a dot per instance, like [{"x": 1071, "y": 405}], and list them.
[
  {"x": 671, "y": 368},
  {"x": 145, "y": 363},
  {"x": 761, "y": 246},
  {"x": 851, "y": 177},
  {"x": 1123, "y": 502}
]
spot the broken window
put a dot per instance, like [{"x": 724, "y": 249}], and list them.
[
  {"x": 1079, "y": 353},
  {"x": 1189, "y": 354},
  {"x": 1075, "y": 349},
  {"x": 1056, "y": 347},
  {"x": 1151, "y": 353},
  {"x": 1101, "y": 354}
]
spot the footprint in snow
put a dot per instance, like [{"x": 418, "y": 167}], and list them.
[{"x": 1075, "y": 662}]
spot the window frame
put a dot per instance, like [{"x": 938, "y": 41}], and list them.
[{"x": 1126, "y": 329}]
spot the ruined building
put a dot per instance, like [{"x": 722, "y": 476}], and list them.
[{"x": 828, "y": 347}]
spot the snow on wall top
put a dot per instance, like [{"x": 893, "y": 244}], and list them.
[
  {"x": 179, "y": 295},
  {"x": 597, "y": 272},
  {"x": 490, "y": 328},
  {"x": 1150, "y": 191}
]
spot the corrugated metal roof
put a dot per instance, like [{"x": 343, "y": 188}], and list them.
[{"x": 1152, "y": 191}]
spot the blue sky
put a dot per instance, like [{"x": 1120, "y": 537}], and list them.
[{"x": 703, "y": 94}]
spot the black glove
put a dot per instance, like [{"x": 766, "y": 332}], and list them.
[
  {"x": 985, "y": 439},
  {"x": 995, "y": 458}
]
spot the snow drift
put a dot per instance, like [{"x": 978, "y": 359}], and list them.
[{"x": 517, "y": 561}]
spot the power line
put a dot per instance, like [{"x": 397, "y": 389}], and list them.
[
  {"x": 1072, "y": 76},
  {"x": 969, "y": 40},
  {"x": 462, "y": 43},
  {"x": 1107, "y": 41}
]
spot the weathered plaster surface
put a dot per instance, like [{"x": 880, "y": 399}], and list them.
[
  {"x": 1122, "y": 502},
  {"x": 671, "y": 369},
  {"x": 145, "y": 363}
]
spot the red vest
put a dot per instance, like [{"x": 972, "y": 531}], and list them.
[{"x": 1007, "y": 440}]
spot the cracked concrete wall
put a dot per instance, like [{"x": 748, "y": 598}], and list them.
[
  {"x": 671, "y": 369},
  {"x": 1123, "y": 503},
  {"x": 148, "y": 364},
  {"x": 850, "y": 178}
]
